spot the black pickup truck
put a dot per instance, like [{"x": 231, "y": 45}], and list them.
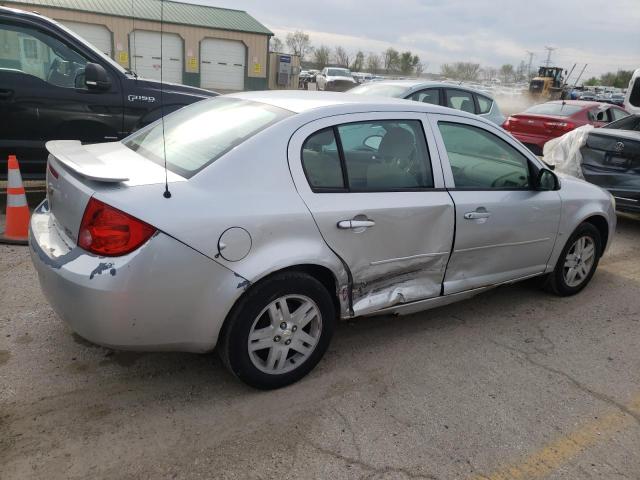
[{"x": 55, "y": 85}]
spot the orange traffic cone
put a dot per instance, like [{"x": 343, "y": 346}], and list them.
[{"x": 17, "y": 222}]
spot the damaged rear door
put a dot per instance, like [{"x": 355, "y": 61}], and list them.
[{"x": 374, "y": 186}]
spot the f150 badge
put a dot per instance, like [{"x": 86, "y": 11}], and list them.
[{"x": 141, "y": 98}]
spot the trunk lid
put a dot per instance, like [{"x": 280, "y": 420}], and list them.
[
  {"x": 534, "y": 124},
  {"x": 75, "y": 172}
]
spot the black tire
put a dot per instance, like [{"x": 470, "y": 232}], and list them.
[
  {"x": 556, "y": 282},
  {"x": 233, "y": 345}
]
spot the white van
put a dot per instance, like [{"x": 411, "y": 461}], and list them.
[{"x": 632, "y": 99}]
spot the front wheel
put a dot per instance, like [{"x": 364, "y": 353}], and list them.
[
  {"x": 279, "y": 331},
  {"x": 578, "y": 261}
]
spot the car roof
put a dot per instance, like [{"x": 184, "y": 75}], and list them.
[
  {"x": 300, "y": 101},
  {"x": 416, "y": 84}
]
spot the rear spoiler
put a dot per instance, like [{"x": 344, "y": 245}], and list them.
[{"x": 73, "y": 155}]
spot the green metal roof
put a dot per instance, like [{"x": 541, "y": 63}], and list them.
[{"x": 173, "y": 12}]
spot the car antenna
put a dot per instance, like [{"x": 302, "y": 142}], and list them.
[{"x": 167, "y": 193}]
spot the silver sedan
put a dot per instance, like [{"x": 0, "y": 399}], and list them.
[
  {"x": 282, "y": 212},
  {"x": 449, "y": 95}
]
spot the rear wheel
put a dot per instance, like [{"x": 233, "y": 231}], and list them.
[
  {"x": 279, "y": 331},
  {"x": 577, "y": 263}
]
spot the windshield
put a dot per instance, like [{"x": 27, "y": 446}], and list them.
[
  {"x": 380, "y": 89},
  {"x": 556, "y": 109},
  {"x": 338, "y": 72},
  {"x": 200, "y": 133}
]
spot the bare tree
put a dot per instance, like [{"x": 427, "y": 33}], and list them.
[
  {"x": 407, "y": 62},
  {"x": 507, "y": 72},
  {"x": 321, "y": 56},
  {"x": 391, "y": 59},
  {"x": 373, "y": 63},
  {"x": 276, "y": 45},
  {"x": 358, "y": 62},
  {"x": 420, "y": 67},
  {"x": 299, "y": 43},
  {"x": 341, "y": 57},
  {"x": 465, "y": 71}
]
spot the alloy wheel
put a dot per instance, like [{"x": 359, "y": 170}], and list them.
[
  {"x": 284, "y": 334},
  {"x": 579, "y": 261}
]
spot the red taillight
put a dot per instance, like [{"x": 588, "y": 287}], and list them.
[
  {"x": 107, "y": 231},
  {"x": 564, "y": 126}
]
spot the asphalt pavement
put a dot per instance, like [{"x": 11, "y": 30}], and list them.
[{"x": 513, "y": 384}]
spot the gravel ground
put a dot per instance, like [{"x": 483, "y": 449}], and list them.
[{"x": 514, "y": 384}]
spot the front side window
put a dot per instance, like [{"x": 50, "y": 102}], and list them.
[
  {"x": 385, "y": 155},
  {"x": 430, "y": 95},
  {"x": 196, "y": 135},
  {"x": 460, "y": 100},
  {"x": 618, "y": 114},
  {"x": 634, "y": 96},
  {"x": 481, "y": 160},
  {"x": 35, "y": 53}
]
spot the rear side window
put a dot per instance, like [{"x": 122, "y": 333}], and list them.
[
  {"x": 198, "y": 134},
  {"x": 388, "y": 155},
  {"x": 460, "y": 100},
  {"x": 484, "y": 104},
  {"x": 430, "y": 95},
  {"x": 321, "y": 161},
  {"x": 481, "y": 160}
]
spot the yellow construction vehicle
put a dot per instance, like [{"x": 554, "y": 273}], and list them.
[{"x": 548, "y": 84}]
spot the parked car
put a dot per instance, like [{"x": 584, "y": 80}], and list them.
[
  {"x": 306, "y": 195},
  {"x": 617, "y": 99},
  {"x": 611, "y": 159},
  {"x": 540, "y": 123},
  {"x": 587, "y": 96},
  {"x": 335, "y": 79},
  {"x": 632, "y": 98},
  {"x": 437, "y": 93},
  {"x": 55, "y": 85}
]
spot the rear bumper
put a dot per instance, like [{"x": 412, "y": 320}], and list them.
[{"x": 163, "y": 296}]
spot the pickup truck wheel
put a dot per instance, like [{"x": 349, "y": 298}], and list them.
[
  {"x": 577, "y": 262},
  {"x": 279, "y": 331}
]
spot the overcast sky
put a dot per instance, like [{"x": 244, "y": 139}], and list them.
[{"x": 604, "y": 34}]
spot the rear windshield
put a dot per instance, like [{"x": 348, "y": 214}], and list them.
[
  {"x": 557, "y": 109},
  {"x": 338, "y": 72},
  {"x": 197, "y": 135},
  {"x": 380, "y": 89}
]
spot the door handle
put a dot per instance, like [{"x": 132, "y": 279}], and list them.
[
  {"x": 5, "y": 93},
  {"x": 476, "y": 215},
  {"x": 344, "y": 224}
]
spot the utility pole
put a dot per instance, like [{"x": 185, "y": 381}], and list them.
[
  {"x": 549, "y": 50},
  {"x": 531, "y": 54}
]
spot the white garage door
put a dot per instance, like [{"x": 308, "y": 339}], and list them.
[
  {"x": 222, "y": 64},
  {"x": 97, "y": 35},
  {"x": 145, "y": 55}
]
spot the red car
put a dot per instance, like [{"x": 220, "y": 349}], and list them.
[{"x": 538, "y": 124}]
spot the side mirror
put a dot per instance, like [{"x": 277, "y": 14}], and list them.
[
  {"x": 373, "y": 141},
  {"x": 547, "y": 180},
  {"x": 96, "y": 78}
]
